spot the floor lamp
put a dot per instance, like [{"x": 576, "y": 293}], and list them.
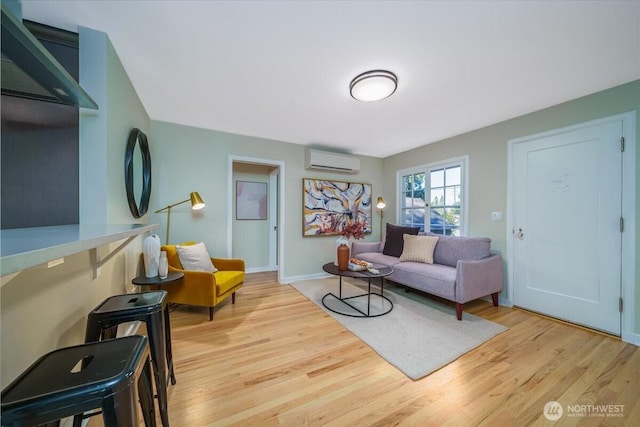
[
  {"x": 196, "y": 204},
  {"x": 381, "y": 205}
]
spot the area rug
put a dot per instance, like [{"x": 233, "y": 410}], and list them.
[{"x": 418, "y": 336}]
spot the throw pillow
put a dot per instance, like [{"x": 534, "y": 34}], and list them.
[
  {"x": 195, "y": 257},
  {"x": 394, "y": 241},
  {"x": 418, "y": 248}
]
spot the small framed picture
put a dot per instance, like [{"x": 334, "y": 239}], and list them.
[{"x": 251, "y": 200}]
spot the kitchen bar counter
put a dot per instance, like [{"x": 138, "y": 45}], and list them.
[{"x": 23, "y": 248}]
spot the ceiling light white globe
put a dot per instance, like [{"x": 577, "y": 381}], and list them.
[{"x": 373, "y": 85}]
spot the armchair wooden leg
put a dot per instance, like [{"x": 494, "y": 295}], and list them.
[
  {"x": 233, "y": 298},
  {"x": 459, "y": 311},
  {"x": 210, "y": 314},
  {"x": 494, "y": 297}
]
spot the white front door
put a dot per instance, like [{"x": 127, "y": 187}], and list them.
[{"x": 567, "y": 200}]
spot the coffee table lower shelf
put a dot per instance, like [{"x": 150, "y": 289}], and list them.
[
  {"x": 350, "y": 309},
  {"x": 361, "y": 313}
]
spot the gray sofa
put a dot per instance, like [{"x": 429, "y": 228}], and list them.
[{"x": 463, "y": 269}]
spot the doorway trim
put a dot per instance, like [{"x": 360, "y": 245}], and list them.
[
  {"x": 231, "y": 159},
  {"x": 628, "y": 275}
]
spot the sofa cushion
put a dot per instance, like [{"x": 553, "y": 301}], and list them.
[
  {"x": 451, "y": 249},
  {"x": 378, "y": 258},
  {"x": 195, "y": 257},
  {"x": 394, "y": 239},
  {"x": 227, "y": 280},
  {"x": 418, "y": 248},
  {"x": 172, "y": 253},
  {"x": 435, "y": 279}
]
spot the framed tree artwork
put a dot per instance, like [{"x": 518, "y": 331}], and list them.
[{"x": 331, "y": 205}]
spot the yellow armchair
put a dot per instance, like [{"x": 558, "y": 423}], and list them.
[{"x": 201, "y": 287}]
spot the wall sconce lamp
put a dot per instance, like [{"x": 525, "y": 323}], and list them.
[
  {"x": 381, "y": 205},
  {"x": 196, "y": 204}
]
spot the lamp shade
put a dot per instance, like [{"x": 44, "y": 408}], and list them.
[
  {"x": 373, "y": 85},
  {"x": 196, "y": 201},
  {"x": 381, "y": 204}
]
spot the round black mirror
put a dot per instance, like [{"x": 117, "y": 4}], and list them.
[{"x": 137, "y": 173}]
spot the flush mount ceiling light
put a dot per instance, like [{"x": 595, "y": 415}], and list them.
[{"x": 373, "y": 85}]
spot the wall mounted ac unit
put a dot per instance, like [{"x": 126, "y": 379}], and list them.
[{"x": 334, "y": 162}]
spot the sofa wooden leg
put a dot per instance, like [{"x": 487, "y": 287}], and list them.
[
  {"x": 233, "y": 298},
  {"x": 494, "y": 297},
  {"x": 459, "y": 311},
  {"x": 210, "y": 314}
]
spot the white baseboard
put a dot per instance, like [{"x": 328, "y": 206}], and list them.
[
  {"x": 505, "y": 302},
  {"x": 260, "y": 269},
  {"x": 631, "y": 338},
  {"x": 291, "y": 279}
]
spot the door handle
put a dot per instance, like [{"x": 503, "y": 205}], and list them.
[{"x": 518, "y": 234}]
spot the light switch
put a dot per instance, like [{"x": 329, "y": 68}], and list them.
[{"x": 496, "y": 216}]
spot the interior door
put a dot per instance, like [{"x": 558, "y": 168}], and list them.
[
  {"x": 274, "y": 194},
  {"x": 567, "y": 240}
]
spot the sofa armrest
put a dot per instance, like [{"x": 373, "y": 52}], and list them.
[
  {"x": 478, "y": 278},
  {"x": 228, "y": 264},
  {"x": 365, "y": 247}
]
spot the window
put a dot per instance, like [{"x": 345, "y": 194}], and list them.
[
  {"x": 436, "y": 192},
  {"x": 445, "y": 198},
  {"x": 412, "y": 201}
]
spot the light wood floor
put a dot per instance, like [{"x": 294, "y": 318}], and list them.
[{"x": 274, "y": 358}]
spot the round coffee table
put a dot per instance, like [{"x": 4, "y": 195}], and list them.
[{"x": 350, "y": 309}]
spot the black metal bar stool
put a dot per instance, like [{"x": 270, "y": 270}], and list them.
[
  {"x": 151, "y": 308},
  {"x": 111, "y": 375}
]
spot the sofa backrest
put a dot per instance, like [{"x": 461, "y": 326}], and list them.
[{"x": 450, "y": 249}]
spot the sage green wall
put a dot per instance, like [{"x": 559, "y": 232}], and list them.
[
  {"x": 125, "y": 112},
  {"x": 43, "y": 309},
  {"x": 192, "y": 159},
  {"x": 487, "y": 151}
]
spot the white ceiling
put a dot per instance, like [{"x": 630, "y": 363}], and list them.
[{"x": 281, "y": 69}]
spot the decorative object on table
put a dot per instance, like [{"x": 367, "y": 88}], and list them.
[
  {"x": 137, "y": 173},
  {"x": 343, "y": 257},
  {"x": 163, "y": 266},
  {"x": 342, "y": 240},
  {"x": 151, "y": 255},
  {"x": 359, "y": 265},
  {"x": 251, "y": 200},
  {"x": 355, "y": 229},
  {"x": 418, "y": 336},
  {"x": 352, "y": 229},
  {"x": 381, "y": 205},
  {"x": 196, "y": 204},
  {"x": 330, "y": 205}
]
